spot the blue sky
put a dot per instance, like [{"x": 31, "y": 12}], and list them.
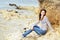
[{"x": 4, "y": 3}]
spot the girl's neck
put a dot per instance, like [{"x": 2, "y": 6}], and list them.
[{"x": 42, "y": 17}]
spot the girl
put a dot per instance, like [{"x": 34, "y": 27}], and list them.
[{"x": 45, "y": 24}]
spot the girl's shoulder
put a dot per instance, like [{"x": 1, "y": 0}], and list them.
[{"x": 45, "y": 17}]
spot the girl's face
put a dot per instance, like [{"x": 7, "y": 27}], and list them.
[{"x": 43, "y": 13}]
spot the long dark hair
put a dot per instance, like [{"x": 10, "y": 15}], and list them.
[{"x": 40, "y": 13}]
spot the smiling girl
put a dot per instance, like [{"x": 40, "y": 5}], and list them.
[{"x": 40, "y": 29}]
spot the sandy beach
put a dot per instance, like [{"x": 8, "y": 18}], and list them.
[
  {"x": 12, "y": 26},
  {"x": 13, "y": 21}
]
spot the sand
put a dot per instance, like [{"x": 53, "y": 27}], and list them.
[{"x": 12, "y": 26}]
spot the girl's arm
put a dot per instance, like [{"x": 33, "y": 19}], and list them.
[
  {"x": 48, "y": 23},
  {"x": 33, "y": 24},
  {"x": 36, "y": 23}
]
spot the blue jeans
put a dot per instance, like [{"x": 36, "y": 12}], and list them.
[{"x": 37, "y": 29}]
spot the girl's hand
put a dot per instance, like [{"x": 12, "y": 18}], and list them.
[
  {"x": 53, "y": 31},
  {"x": 31, "y": 28}
]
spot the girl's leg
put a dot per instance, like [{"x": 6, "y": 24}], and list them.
[
  {"x": 36, "y": 29},
  {"x": 39, "y": 31},
  {"x": 27, "y": 32}
]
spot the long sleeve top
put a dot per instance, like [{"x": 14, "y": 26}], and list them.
[{"x": 44, "y": 24}]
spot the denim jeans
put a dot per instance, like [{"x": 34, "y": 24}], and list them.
[{"x": 37, "y": 29}]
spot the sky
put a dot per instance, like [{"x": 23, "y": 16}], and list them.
[{"x": 5, "y": 3}]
